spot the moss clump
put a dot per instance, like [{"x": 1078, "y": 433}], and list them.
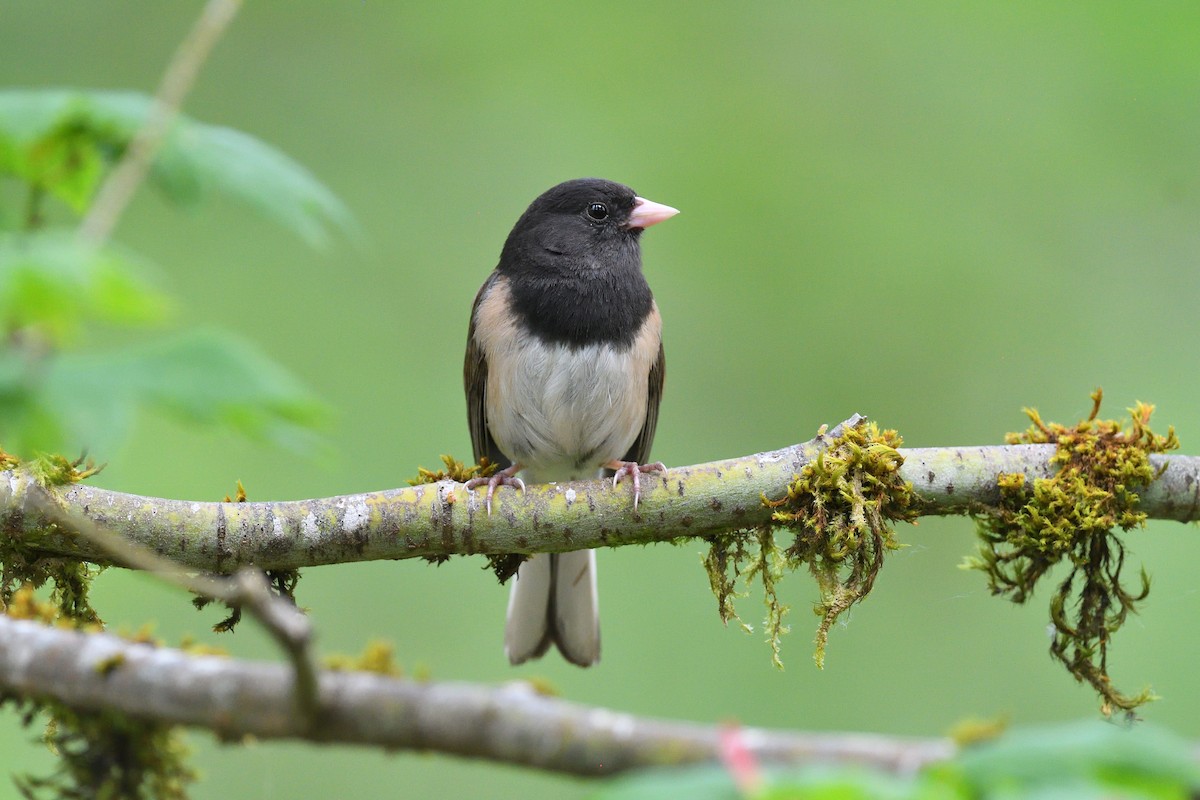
[
  {"x": 56, "y": 470},
  {"x": 69, "y": 578},
  {"x": 22, "y": 563},
  {"x": 455, "y": 470},
  {"x": 239, "y": 494},
  {"x": 1071, "y": 517},
  {"x": 106, "y": 754},
  {"x": 282, "y": 582},
  {"x": 378, "y": 657},
  {"x": 503, "y": 565},
  {"x": 840, "y": 508}
]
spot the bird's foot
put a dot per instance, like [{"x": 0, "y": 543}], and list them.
[
  {"x": 635, "y": 471},
  {"x": 505, "y": 477}
]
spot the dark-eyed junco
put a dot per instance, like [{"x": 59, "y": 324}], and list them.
[{"x": 564, "y": 373}]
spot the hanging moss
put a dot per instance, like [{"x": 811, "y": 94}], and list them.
[
  {"x": 282, "y": 582},
  {"x": 106, "y": 754},
  {"x": 23, "y": 563},
  {"x": 100, "y": 754},
  {"x": 839, "y": 509},
  {"x": 1071, "y": 517}
]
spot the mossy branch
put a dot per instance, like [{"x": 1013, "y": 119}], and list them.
[
  {"x": 1054, "y": 492},
  {"x": 442, "y": 518}
]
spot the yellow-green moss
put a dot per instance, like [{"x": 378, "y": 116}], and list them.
[
  {"x": 8, "y": 460},
  {"x": 455, "y": 470},
  {"x": 22, "y": 563},
  {"x": 839, "y": 508},
  {"x": 1071, "y": 516},
  {"x": 503, "y": 565},
  {"x": 378, "y": 656},
  {"x": 57, "y": 470},
  {"x": 239, "y": 495},
  {"x": 106, "y": 755}
]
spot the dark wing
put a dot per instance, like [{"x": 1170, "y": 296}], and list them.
[
  {"x": 640, "y": 452},
  {"x": 475, "y": 374}
]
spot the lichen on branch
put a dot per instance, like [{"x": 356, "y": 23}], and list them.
[{"x": 1071, "y": 516}]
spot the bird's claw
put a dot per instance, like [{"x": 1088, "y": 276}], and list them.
[
  {"x": 635, "y": 471},
  {"x": 505, "y": 477}
]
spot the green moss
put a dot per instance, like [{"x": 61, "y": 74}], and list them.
[
  {"x": 111, "y": 664},
  {"x": 105, "y": 755},
  {"x": 839, "y": 509},
  {"x": 7, "y": 460},
  {"x": 1071, "y": 517},
  {"x": 56, "y": 470},
  {"x": 239, "y": 495},
  {"x": 723, "y": 563},
  {"x": 503, "y": 565},
  {"x": 281, "y": 581},
  {"x": 455, "y": 470},
  {"x": 24, "y": 564},
  {"x": 379, "y": 657}
]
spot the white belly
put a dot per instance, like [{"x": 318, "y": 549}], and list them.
[{"x": 568, "y": 411}]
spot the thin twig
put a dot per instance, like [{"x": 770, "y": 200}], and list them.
[{"x": 118, "y": 189}]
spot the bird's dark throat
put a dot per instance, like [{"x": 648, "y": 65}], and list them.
[{"x": 604, "y": 307}]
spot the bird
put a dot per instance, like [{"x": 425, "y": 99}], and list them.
[{"x": 563, "y": 375}]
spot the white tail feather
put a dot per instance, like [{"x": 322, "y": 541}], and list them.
[
  {"x": 576, "y": 628},
  {"x": 526, "y": 625},
  {"x": 554, "y": 599}
]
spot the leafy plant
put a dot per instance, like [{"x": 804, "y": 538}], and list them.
[
  {"x": 1077, "y": 760},
  {"x": 56, "y": 148}
]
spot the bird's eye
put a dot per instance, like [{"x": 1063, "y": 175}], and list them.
[{"x": 597, "y": 211}]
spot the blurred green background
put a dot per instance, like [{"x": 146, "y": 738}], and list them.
[{"x": 930, "y": 213}]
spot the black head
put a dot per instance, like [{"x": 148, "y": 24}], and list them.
[
  {"x": 574, "y": 265},
  {"x": 579, "y": 225}
]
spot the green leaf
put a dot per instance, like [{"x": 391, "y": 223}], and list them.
[
  {"x": 811, "y": 783},
  {"x": 62, "y": 139},
  {"x": 88, "y": 401},
  {"x": 202, "y": 158},
  {"x": 59, "y": 141},
  {"x": 52, "y": 282},
  {"x": 1143, "y": 761},
  {"x": 694, "y": 783},
  {"x": 209, "y": 377},
  {"x": 1082, "y": 760}
]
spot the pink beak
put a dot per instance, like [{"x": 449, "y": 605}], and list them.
[{"x": 646, "y": 213}]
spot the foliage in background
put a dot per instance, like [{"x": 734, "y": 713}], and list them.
[
  {"x": 58, "y": 394},
  {"x": 1084, "y": 761}
]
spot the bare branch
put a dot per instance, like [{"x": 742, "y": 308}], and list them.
[
  {"x": 444, "y": 519},
  {"x": 511, "y": 724}
]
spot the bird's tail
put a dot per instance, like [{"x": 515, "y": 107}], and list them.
[{"x": 554, "y": 600}]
